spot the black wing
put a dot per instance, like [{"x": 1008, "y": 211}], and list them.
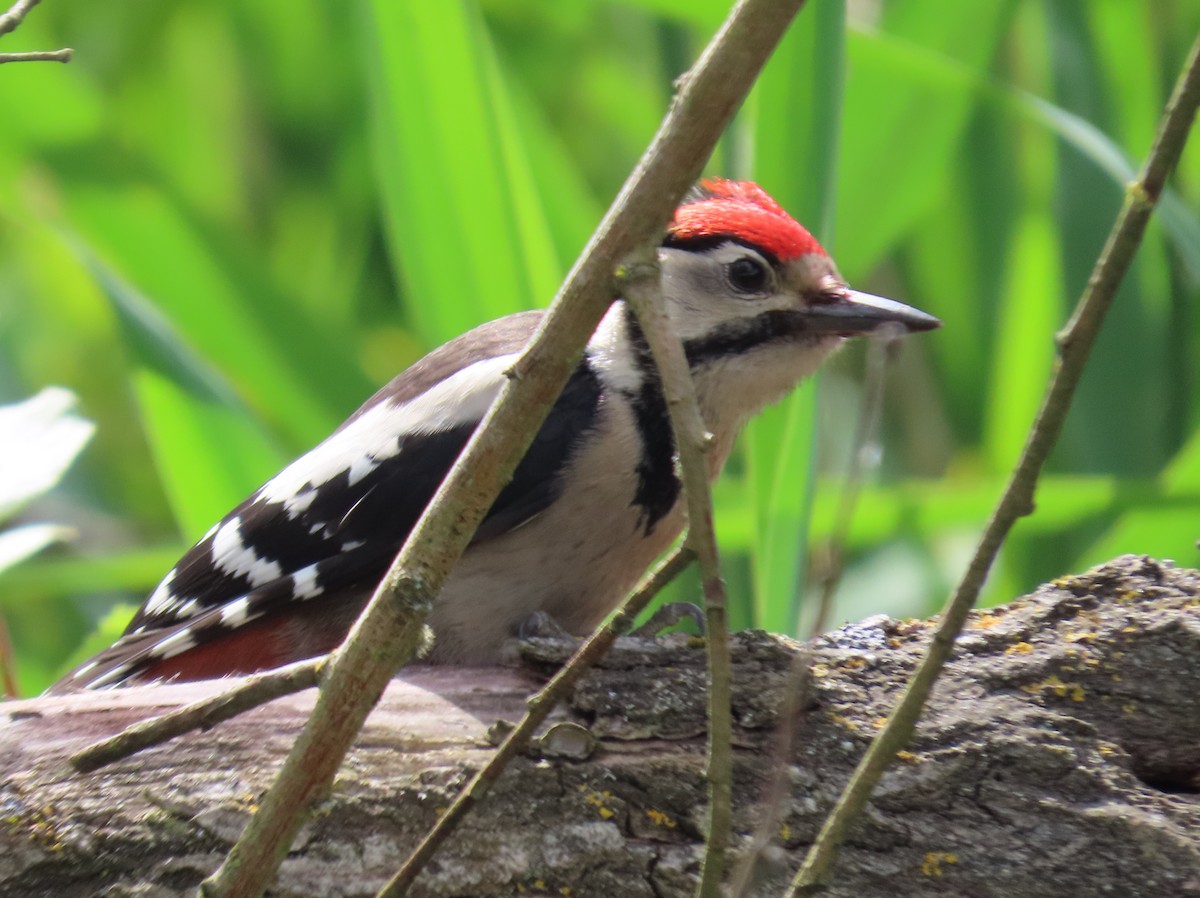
[{"x": 336, "y": 517}]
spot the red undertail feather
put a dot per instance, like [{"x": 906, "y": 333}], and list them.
[{"x": 270, "y": 642}]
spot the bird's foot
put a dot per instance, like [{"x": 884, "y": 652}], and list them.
[
  {"x": 670, "y": 615},
  {"x": 539, "y": 636}
]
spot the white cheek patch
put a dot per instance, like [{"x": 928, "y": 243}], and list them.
[
  {"x": 233, "y": 556},
  {"x": 378, "y": 433}
]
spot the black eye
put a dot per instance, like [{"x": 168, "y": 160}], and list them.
[{"x": 748, "y": 275}]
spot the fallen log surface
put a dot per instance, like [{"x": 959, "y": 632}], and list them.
[{"x": 1060, "y": 757}]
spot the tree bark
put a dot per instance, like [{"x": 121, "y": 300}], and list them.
[{"x": 1060, "y": 757}]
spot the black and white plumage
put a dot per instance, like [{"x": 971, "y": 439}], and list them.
[{"x": 758, "y": 305}]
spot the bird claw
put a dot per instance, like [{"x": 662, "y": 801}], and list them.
[
  {"x": 670, "y": 615},
  {"x": 540, "y": 625},
  {"x": 539, "y": 636}
]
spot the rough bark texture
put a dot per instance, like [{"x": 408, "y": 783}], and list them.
[{"x": 1061, "y": 757}]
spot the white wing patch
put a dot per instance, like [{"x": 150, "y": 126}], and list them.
[
  {"x": 175, "y": 644},
  {"x": 304, "y": 583},
  {"x": 162, "y": 601},
  {"x": 378, "y": 433},
  {"x": 236, "y": 613},
  {"x": 233, "y": 556}
]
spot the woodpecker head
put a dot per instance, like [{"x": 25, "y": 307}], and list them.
[{"x": 756, "y": 300}]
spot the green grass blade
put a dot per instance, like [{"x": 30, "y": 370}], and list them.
[
  {"x": 466, "y": 231},
  {"x": 209, "y": 449},
  {"x": 797, "y": 109}
]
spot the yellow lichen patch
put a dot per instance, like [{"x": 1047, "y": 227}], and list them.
[
  {"x": 820, "y": 670},
  {"x": 1020, "y": 648},
  {"x": 565, "y": 891},
  {"x": 598, "y": 801},
  {"x": 907, "y": 757},
  {"x": 855, "y": 663},
  {"x": 1055, "y": 686},
  {"x": 986, "y": 620},
  {"x": 932, "y": 865},
  {"x": 785, "y": 831},
  {"x": 879, "y": 723},
  {"x": 658, "y": 818},
  {"x": 1080, "y": 636},
  {"x": 843, "y": 721}
]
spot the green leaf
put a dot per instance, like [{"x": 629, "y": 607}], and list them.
[
  {"x": 209, "y": 449},
  {"x": 796, "y": 126},
  {"x": 466, "y": 227},
  {"x": 295, "y": 374}
]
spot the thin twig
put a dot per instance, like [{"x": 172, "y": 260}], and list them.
[
  {"x": 201, "y": 715},
  {"x": 794, "y": 702},
  {"x": 63, "y": 55},
  {"x": 642, "y": 289},
  {"x": 880, "y": 348},
  {"x": 8, "y": 667},
  {"x": 390, "y": 628},
  {"x": 11, "y": 20},
  {"x": 16, "y": 14},
  {"x": 540, "y": 706},
  {"x": 1074, "y": 345}
]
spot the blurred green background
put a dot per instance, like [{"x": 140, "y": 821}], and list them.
[{"x": 223, "y": 226}]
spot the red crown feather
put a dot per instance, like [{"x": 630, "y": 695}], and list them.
[{"x": 741, "y": 210}]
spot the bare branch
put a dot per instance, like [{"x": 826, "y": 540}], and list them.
[
  {"x": 16, "y": 14},
  {"x": 63, "y": 55},
  {"x": 11, "y": 20},
  {"x": 540, "y": 706},
  {"x": 389, "y": 629},
  {"x": 1075, "y": 344},
  {"x": 202, "y": 715},
  {"x": 643, "y": 290}
]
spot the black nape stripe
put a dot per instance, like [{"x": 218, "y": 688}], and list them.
[
  {"x": 738, "y": 337},
  {"x": 712, "y": 241},
  {"x": 658, "y": 487}
]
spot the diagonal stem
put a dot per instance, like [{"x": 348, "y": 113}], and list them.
[
  {"x": 1074, "y": 345},
  {"x": 389, "y": 630},
  {"x": 11, "y": 20},
  {"x": 540, "y": 706},
  {"x": 201, "y": 715},
  {"x": 643, "y": 290}
]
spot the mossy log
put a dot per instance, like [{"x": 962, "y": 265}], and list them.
[{"x": 1060, "y": 756}]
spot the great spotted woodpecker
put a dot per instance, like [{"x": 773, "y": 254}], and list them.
[{"x": 758, "y": 305}]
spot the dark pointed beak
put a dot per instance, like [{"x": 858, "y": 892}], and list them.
[{"x": 860, "y": 313}]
